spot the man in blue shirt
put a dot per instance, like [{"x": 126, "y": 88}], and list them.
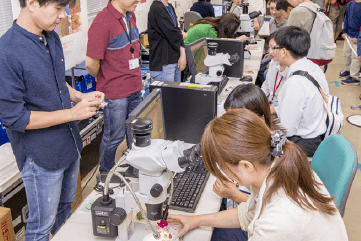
[
  {"x": 35, "y": 106},
  {"x": 204, "y": 8}
]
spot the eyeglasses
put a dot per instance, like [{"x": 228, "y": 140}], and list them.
[{"x": 275, "y": 47}]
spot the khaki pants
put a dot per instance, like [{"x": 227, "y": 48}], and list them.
[
  {"x": 352, "y": 64},
  {"x": 337, "y": 14}
]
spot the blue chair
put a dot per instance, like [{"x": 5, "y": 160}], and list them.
[{"x": 335, "y": 162}]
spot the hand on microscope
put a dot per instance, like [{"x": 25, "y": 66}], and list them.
[
  {"x": 244, "y": 37},
  {"x": 187, "y": 223}
]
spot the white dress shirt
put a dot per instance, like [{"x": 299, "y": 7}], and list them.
[
  {"x": 268, "y": 85},
  {"x": 283, "y": 220},
  {"x": 300, "y": 108},
  {"x": 257, "y": 5}
]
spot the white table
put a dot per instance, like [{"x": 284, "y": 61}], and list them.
[{"x": 79, "y": 225}]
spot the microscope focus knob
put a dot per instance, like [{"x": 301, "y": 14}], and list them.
[
  {"x": 219, "y": 73},
  {"x": 156, "y": 190},
  {"x": 118, "y": 216}
]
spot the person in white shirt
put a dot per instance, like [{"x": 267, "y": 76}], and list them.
[
  {"x": 236, "y": 7},
  {"x": 300, "y": 110},
  {"x": 275, "y": 78},
  {"x": 257, "y": 5},
  {"x": 288, "y": 200}
]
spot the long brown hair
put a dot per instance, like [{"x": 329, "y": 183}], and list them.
[
  {"x": 225, "y": 25},
  {"x": 241, "y": 135}
]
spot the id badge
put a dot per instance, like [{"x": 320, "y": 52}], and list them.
[{"x": 133, "y": 63}]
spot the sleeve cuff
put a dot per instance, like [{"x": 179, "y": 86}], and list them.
[{"x": 21, "y": 124}]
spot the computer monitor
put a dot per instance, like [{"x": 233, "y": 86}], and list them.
[
  {"x": 150, "y": 107},
  {"x": 196, "y": 53},
  {"x": 219, "y": 10}
]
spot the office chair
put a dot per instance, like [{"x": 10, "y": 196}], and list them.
[
  {"x": 335, "y": 162},
  {"x": 190, "y": 18}
]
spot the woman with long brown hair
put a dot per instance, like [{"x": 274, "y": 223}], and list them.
[
  {"x": 288, "y": 200},
  {"x": 224, "y": 26}
]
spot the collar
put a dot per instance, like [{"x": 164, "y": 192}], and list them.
[
  {"x": 298, "y": 65},
  {"x": 278, "y": 68},
  {"x": 36, "y": 38},
  {"x": 115, "y": 12}
]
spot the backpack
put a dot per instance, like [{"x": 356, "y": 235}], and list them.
[
  {"x": 322, "y": 43},
  {"x": 332, "y": 105}
]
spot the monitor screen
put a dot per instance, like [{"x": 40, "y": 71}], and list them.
[
  {"x": 218, "y": 10},
  {"x": 196, "y": 53},
  {"x": 150, "y": 107}
]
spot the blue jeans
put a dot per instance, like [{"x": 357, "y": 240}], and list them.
[
  {"x": 169, "y": 72},
  {"x": 263, "y": 69},
  {"x": 228, "y": 234},
  {"x": 49, "y": 195},
  {"x": 115, "y": 114}
]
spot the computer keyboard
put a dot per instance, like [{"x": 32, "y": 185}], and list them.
[{"x": 188, "y": 188}]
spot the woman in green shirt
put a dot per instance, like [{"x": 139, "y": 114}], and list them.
[{"x": 222, "y": 27}]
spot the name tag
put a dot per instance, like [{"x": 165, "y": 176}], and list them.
[{"x": 134, "y": 63}]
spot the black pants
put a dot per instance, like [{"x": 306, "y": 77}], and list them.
[{"x": 309, "y": 146}]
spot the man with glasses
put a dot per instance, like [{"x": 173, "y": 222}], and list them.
[{"x": 300, "y": 108}]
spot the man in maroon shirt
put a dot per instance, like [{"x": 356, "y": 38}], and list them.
[{"x": 113, "y": 59}]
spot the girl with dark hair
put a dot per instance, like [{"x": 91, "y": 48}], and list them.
[
  {"x": 222, "y": 27},
  {"x": 288, "y": 200}
]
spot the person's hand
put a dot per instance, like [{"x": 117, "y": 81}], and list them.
[
  {"x": 244, "y": 37},
  {"x": 359, "y": 58},
  {"x": 225, "y": 190},
  {"x": 266, "y": 56},
  {"x": 182, "y": 62},
  {"x": 187, "y": 223},
  {"x": 268, "y": 65},
  {"x": 355, "y": 41},
  {"x": 256, "y": 24},
  {"x": 344, "y": 35},
  {"x": 184, "y": 35},
  {"x": 332, "y": 2},
  {"x": 94, "y": 94},
  {"x": 85, "y": 108}
]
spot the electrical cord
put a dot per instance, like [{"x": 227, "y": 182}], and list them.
[{"x": 96, "y": 168}]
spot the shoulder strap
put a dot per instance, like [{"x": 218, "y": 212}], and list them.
[{"x": 309, "y": 77}]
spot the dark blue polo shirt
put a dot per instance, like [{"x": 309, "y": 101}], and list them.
[{"x": 32, "y": 78}]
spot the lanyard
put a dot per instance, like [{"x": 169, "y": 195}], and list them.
[
  {"x": 170, "y": 11},
  {"x": 130, "y": 41},
  {"x": 275, "y": 88}
]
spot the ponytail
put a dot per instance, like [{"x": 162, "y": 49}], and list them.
[{"x": 293, "y": 172}]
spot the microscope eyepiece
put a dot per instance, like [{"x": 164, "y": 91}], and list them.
[
  {"x": 212, "y": 48},
  {"x": 142, "y": 127}
]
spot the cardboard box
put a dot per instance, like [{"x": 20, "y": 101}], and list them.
[{"x": 6, "y": 225}]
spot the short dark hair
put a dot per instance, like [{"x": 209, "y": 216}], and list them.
[
  {"x": 272, "y": 1},
  {"x": 283, "y": 4},
  {"x": 294, "y": 39},
  {"x": 44, "y": 2}
]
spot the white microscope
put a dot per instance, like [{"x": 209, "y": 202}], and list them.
[
  {"x": 157, "y": 161},
  {"x": 247, "y": 25},
  {"x": 215, "y": 62}
]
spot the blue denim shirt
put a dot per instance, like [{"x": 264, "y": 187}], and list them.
[{"x": 32, "y": 78}]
